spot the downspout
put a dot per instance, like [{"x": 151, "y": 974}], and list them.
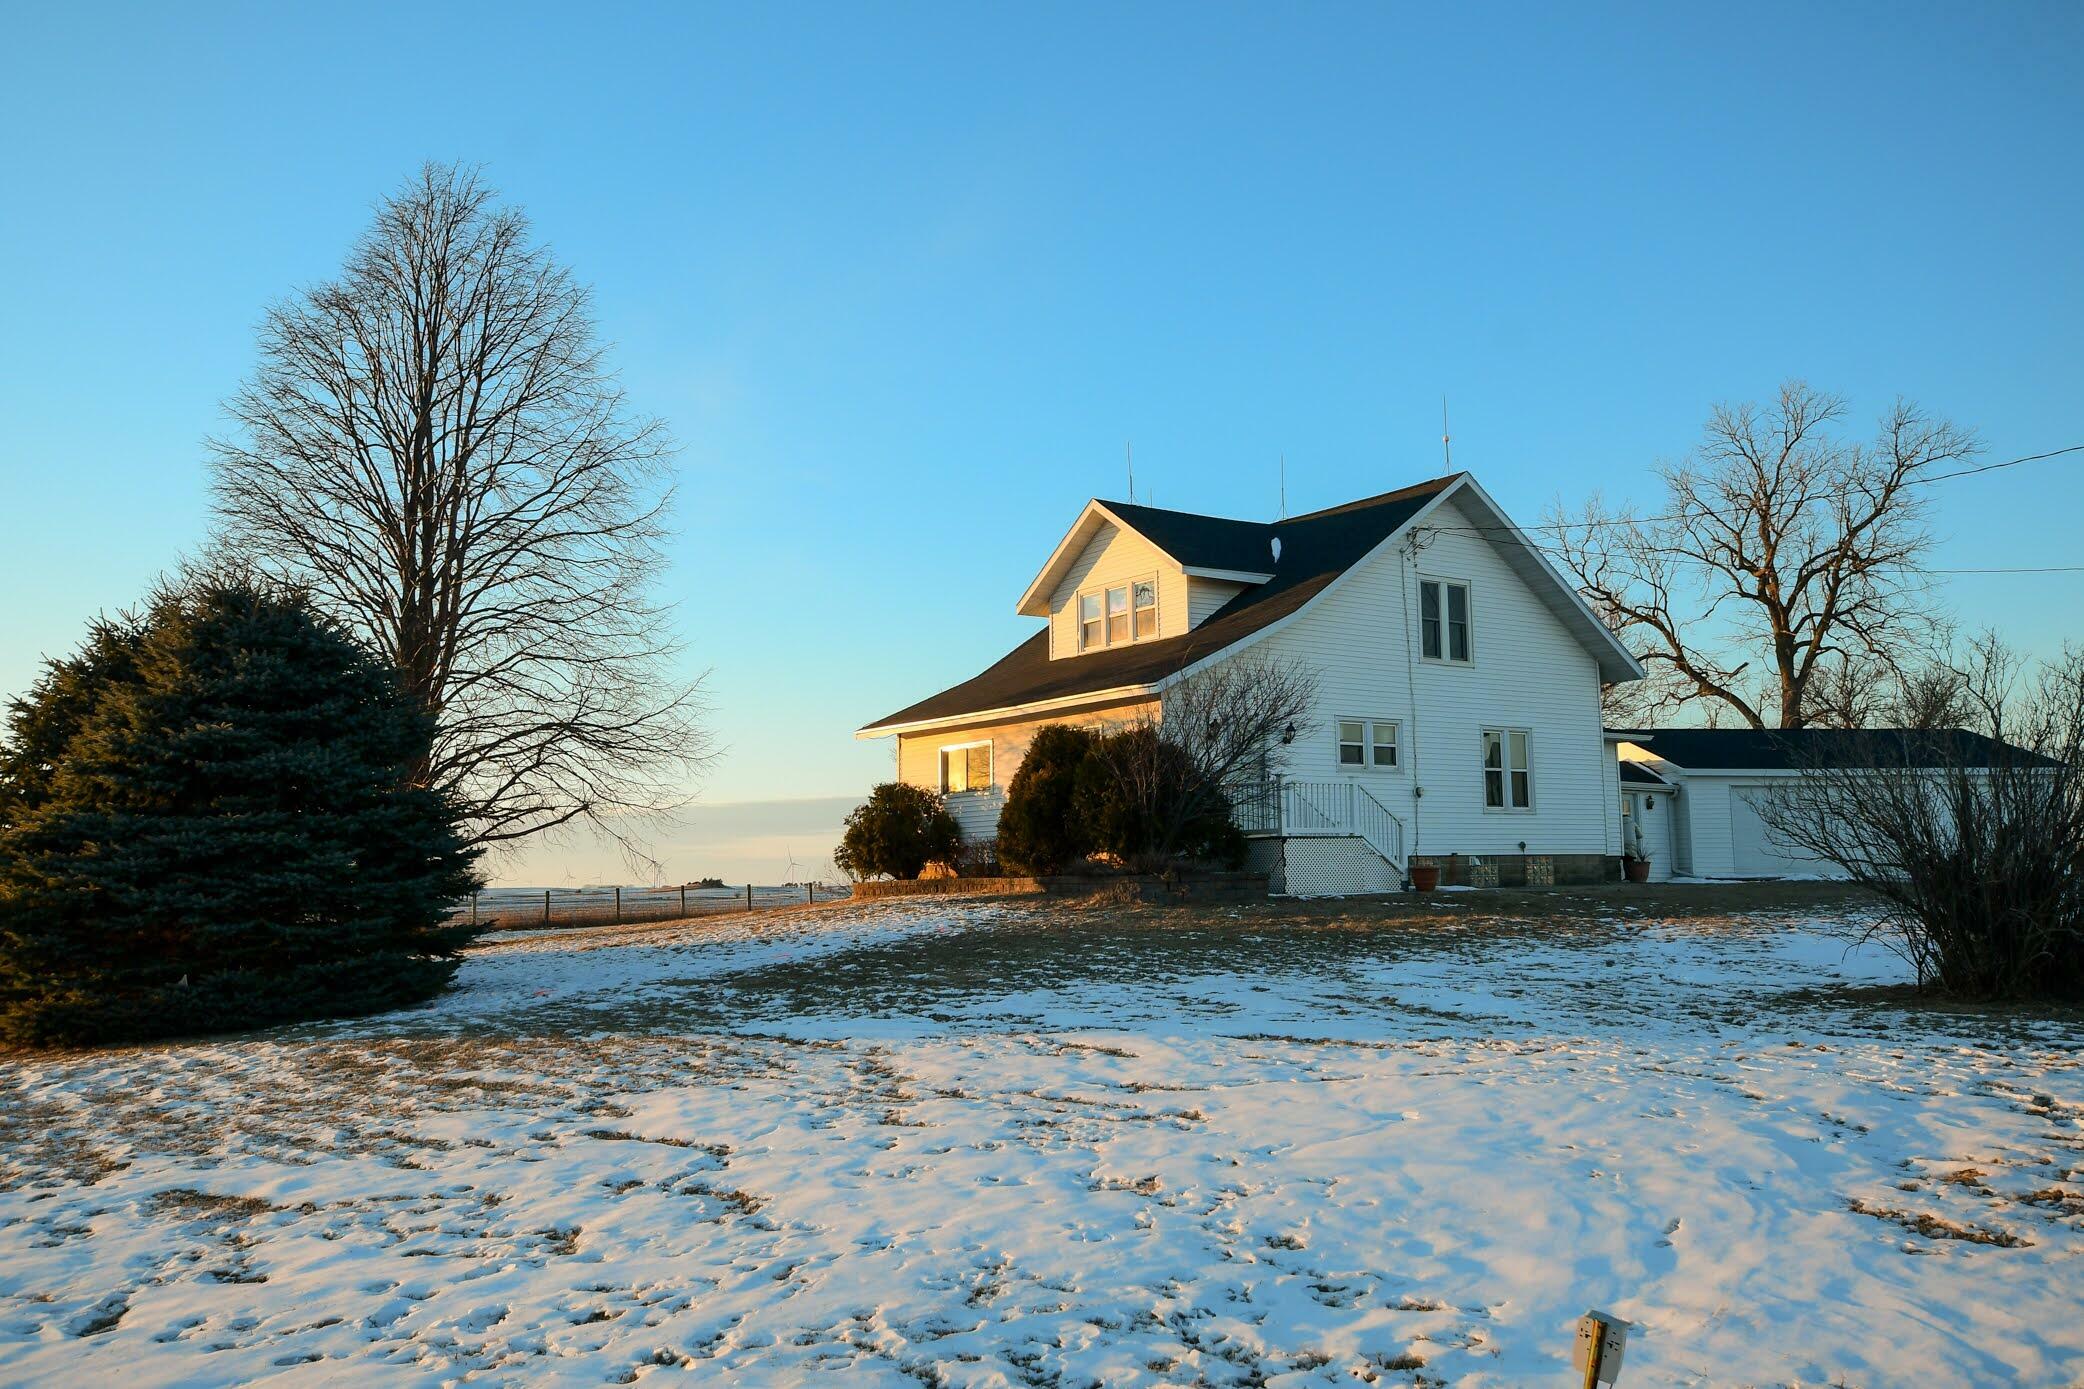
[{"x": 1411, "y": 690}]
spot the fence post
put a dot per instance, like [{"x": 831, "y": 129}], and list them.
[
  {"x": 618, "y": 906},
  {"x": 810, "y": 893},
  {"x": 546, "y": 906},
  {"x": 748, "y": 896}
]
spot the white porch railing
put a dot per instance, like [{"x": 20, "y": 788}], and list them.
[{"x": 1286, "y": 806}]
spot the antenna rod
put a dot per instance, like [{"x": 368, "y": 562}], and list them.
[
  {"x": 1130, "y": 454},
  {"x": 1446, "y": 447}
]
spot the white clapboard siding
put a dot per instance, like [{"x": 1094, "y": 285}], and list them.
[
  {"x": 1206, "y": 596},
  {"x": 1529, "y": 672}
]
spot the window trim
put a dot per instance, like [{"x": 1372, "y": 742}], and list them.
[
  {"x": 1368, "y": 740},
  {"x": 1099, "y": 595},
  {"x": 1136, "y": 609},
  {"x": 1443, "y": 583},
  {"x": 1505, "y": 734},
  {"x": 1099, "y": 623},
  {"x": 991, "y": 767}
]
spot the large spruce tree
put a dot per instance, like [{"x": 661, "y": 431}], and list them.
[{"x": 207, "y": 822}]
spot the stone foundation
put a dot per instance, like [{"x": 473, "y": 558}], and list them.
[{"x": 1522, "y": 870}]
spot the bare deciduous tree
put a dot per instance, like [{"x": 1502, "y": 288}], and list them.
[
  {"x": 1780, "y": 583},
  {"x": 433, "y": 444},
  {"x": 1974, "y": 838},
  {"x": 1211, "y": 736}
]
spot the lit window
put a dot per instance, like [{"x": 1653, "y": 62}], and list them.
[
  {"x": 1367, "y": 743},
  {"x": 1114, "y": 616},
  {"x": 1508, "y": 777},
  {"x": 1117, "y": 615},
  {"x": 1443, "y": 621},
  {"x": 966, "y": 767}
]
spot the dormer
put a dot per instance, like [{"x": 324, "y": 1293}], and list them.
[{"x": 1126, "y": 574}]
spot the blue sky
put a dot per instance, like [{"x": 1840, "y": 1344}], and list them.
[{"x": 904, "y": 279}]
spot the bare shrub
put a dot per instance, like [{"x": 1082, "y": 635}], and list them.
[
  {"x": 1973, "y": 837},
  {"x": 1169, "y": 772}
]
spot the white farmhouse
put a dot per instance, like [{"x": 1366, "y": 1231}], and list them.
[{"x": 1459, "y": 678}]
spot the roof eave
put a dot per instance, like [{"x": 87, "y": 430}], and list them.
[
  {"x": 1617, "y": 663},
  {"x": 1113, "y": 695}
]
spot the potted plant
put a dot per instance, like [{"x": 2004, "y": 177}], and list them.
[
  {"x": 1425, "y": 877},
  {"x": 1635, "y": 859}
]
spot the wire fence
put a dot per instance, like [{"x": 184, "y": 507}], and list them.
[{"x": 558, "y": 908}]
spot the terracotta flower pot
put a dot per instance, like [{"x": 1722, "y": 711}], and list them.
[
  {"x": 1638, "y": 869},
  {"x": 1425, "y": 877}
]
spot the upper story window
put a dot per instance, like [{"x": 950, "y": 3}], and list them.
[
  {"x": 966, "y": 767},
  {"x": 1508, "y": 773},
  {"x": 1367, "y": 743},
  {"x": 1443, "y": 620},
  {"x": 1117, "y": 615}
]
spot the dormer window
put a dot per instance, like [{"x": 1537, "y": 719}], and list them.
[
  {"x": 1118, "y": 615},
  {"x": 1144, "y": 596}
]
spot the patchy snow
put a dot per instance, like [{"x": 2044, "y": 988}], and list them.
[{"x": 1010, "y": 1144}]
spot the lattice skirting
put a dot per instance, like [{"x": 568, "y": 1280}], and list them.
[{"x": 1326, "y": 866}]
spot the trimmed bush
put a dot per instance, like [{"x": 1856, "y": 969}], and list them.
[
  {"x": 207, "y": 824},
  {"x": 900, "y": 830},
  {"x": 1040, "y": 830}
]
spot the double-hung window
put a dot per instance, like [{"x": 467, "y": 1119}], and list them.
[
  {"x": 1117, "y": 615},
  {"x": 1368, "y": 743},
  {"x": 966, "y": 767},
  {"x": 1508, "y": 772},
  {"x": 1144, "y": 595},
  {"x": 1443, "y": 620}
]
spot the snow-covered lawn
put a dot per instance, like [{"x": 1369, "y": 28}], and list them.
[{"x": 1014, "y": 1144}]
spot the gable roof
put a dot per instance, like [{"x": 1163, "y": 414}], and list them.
[
  {"x": 1317, "y": 548},
  {"x": 1636, "y": 774},
  {"x": 1791, "y": 749},
  {"x": 1202, "y": 542}
]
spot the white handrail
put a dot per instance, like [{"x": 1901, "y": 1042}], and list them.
[{"x": 1340, "y": 807}]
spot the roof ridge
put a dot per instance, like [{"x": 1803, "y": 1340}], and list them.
[
  {"x": 1400, "y": 494},
  {"x": 1174, "y": 511}
]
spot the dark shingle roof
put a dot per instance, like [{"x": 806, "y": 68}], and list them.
[
  {"x": 1315, "y": 549},
  {"x": 1636, "y": 774},
  {"x": 1203, "y": 542},
  {"x": 1787, "y": 749}
]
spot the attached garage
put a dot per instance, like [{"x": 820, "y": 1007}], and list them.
[
  {"x": 1755, "y": 851},
  {"x": 1721, "y": 778}
]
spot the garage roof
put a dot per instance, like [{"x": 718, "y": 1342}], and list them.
[{"x": 1791, "y": 749}]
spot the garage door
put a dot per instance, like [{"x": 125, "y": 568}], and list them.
[{"x": 1755, "y": 851}]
